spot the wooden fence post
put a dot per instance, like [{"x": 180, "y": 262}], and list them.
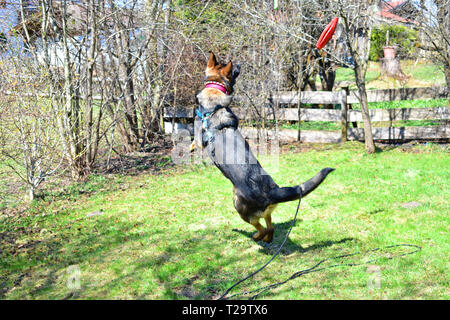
[{"x": 344, "y": 113}]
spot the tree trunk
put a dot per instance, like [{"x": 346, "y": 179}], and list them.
[
  {"x": 162, "y": 56},
  {"x": 299, "y": 91},
  {"x": 368, "y": 136},
  {"x": 89, "y": 84},
  {"x": 447, "y": 78},
  {"x": 327, "y": 76},
  {"x": 123, "y": 50},
  {"x": 71, "y": 113},
  {"x": 360, "y": 55},
  {"x": 390, "y": 67},
  {"x": 31, "y": 193}
]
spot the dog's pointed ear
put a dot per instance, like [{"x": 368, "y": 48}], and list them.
[
  {"x": 228, "y": 69},
  {"x": 236, "y": 71},
  {"x": 212, "y": 62}
]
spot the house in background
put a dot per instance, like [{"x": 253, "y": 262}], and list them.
[
  {"x": 27, "y": 32},
  {"x": 8, "y": 18},
  {"x": 406, "y": 13},
  {"x": 30, "y": 28},
  {"x": 401, "y": 12},
  {"x": 76, "y": 19}
]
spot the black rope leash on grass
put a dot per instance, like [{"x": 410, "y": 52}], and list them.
[
  {"x": 257, "y": 292},
  {"x": 271, "y": 259}
]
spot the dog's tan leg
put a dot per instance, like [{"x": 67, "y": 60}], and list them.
[
  {"x": 268, "y": 217},
  {"x": 261, "y": 231},
  {"x": 269, "y": 236},
  {"x": 193, "y": 146}
]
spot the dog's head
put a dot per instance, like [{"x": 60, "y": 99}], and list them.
[{"x": 224, "y": 74}]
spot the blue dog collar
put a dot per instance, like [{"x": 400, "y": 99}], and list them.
[
  {"x": 204, "y": 117},
  {"x": 209, "y": 135}
]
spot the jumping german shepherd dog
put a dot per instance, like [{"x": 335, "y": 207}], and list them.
[{"x": 255, "y": 193}]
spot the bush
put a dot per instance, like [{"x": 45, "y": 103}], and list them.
[{"x": 404, "y": 37}]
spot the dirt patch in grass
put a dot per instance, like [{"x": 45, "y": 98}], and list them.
[
  {"x": 415, "y": 147},
  {"x": 155, "y": 159},
  {"x": 410, "y": 146}
]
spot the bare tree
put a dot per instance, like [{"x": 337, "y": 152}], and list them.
[
  {"x": 357, "y": 25},
  {"x": 29, "y": 143},
  {"x": 109, "y": 68},
  {"x": 433, "y": 23}
]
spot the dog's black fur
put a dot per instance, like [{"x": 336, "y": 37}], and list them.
[{"x": 255, "y": 192}]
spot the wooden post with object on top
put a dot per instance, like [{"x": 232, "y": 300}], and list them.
[{"x": 344, "y": 114}]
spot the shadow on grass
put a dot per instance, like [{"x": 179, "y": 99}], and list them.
[
  {"x": 150, "y": 275},
  {"x": 95, "y": 243},
  {"x": 289, "y": 247},
  {"x": 73, "y": 244}
]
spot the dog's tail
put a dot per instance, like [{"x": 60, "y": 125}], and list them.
[{"x": 293, "y": 193}]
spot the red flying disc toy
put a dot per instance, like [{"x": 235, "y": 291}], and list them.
[{"x": 327, "y": 34}]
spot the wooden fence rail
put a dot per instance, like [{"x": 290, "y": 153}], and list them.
[
  {"x": 344, "y": 116},
  {"x": 324, "y": 97}
]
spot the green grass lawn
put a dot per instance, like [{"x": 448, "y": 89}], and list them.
[
  {"x": 9, "y": 181},
  {"x": 336, "y": 126},
  {"x": 347, "y": 74},
  {"x": 431, "y": 103},
  {"x": 422, "y": 74},
  {"x": 177, "y": 235}
]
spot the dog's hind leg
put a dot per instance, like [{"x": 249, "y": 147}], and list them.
[
  {"x": 268, "y": 218},
  {"x": 261, "y": 231},
  {"x": 269, "y": 230}
]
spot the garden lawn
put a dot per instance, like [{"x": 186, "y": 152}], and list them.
[
  {"x": 177, "y": 235},
  {"x": 421, "y": 74}
]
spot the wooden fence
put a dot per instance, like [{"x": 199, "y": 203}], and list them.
[{"x": 345, "y": 115}]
